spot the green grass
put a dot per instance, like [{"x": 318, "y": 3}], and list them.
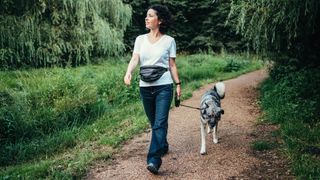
[
  {"x": 261, "y": 145},
  {"x": 55, "y": 123},
  {"x": 292, "y": 99}
]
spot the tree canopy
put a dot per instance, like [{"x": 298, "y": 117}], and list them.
[
  {"x": 197, "y": 25},
  {"x": 289, "y": 27}
]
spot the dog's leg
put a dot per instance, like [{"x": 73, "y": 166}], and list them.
[
  {"x": 203, "y": 138},
  {"x": 209, "y": 130},
  {"x": 215, "y": 134}
]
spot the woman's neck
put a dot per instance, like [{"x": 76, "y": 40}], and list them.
[{"x": 155, "y": 33}]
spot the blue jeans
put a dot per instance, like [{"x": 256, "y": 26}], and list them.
[{"x": 156, "y": 101}]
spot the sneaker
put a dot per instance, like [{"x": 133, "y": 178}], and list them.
[
  {"x": 152, "y": 168},
  {"x": 165, "y": 152}
]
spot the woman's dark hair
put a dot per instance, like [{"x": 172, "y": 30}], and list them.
[{"x": 164, "y": 16}]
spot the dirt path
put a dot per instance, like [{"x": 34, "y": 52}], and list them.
[{"x": 231, "y": 158}]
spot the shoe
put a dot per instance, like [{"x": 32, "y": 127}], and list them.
[
  {"x": 152, "y": 168},
  {"x": 165, "y": 152}
]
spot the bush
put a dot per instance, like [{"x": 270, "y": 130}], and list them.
[
  {"x": 292, "y": 99},
  {"x": 234, "y": 65},
  {"x": 297, "y": 95}
]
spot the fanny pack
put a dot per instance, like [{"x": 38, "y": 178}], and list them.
[{"x": 151, "y": 73}]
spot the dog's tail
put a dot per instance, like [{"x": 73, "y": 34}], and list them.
[{"x": 220, "y": 88}]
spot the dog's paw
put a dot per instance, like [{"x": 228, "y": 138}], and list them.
[
  {"x": 215, "y": 141},
  {"x": 203, "y": 152}
]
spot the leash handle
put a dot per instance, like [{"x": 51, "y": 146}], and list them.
[
  {"x": 177, "y": 103},
  {"x": 176, "y": 100}
]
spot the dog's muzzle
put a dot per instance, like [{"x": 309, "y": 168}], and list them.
[
  {"x": 212, "y": 113},
  {"x": 215, "y": 118}
]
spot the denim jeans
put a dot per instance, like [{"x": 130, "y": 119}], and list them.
[{"x": 156, "y": 101}]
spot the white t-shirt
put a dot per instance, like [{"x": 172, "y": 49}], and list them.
[{"x": 158, "y": 54}]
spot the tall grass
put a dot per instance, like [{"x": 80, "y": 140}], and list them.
[
  {"x": 56, "y": 122},
  {"x": 291, "y": 98}
]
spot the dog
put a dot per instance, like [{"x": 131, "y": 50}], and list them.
[{"x": 210, "y": 113}]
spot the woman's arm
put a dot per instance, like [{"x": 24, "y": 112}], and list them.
[
  {"x": 131, "y": 66},
  {"x": 175, "y": 75}
]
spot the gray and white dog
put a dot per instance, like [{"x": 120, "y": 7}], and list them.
[{"x": 210, "y": 111}]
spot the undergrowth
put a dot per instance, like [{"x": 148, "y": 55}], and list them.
[
  {"x": 55, "y": 122},
  {"x": 291, "y": 98}
]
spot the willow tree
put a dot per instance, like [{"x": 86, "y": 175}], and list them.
[
  {"x": 42, "y": 33},
  {"x": 289, "y": 27}
]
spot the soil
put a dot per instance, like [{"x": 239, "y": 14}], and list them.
[{"x": 232, "y": 158}]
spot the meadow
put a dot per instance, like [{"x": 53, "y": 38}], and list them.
[{"x": 57, "y": 122}]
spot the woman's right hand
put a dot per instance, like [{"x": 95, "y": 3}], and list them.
[
  {"x": 132, "y": 64},
  {"x": 127, "y": 79}
]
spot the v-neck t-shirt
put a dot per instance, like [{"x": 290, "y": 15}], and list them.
[{"x": 157, "y": 53}]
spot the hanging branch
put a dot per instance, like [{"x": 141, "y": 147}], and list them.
[{"x": 44, "y": 33}]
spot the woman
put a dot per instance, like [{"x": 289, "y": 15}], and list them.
[{"x": 157, "y": 49}]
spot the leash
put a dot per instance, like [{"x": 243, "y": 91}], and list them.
[
  {"x": 177, "y": 104},
  {"x": 191, "y": 107}
]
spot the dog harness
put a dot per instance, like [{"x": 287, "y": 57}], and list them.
[{"x": 210, "y": 107}]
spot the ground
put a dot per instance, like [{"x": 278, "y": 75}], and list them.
[{"x": 232, "y": 158}]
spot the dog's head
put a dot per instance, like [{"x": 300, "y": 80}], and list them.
[{"x": 212, "y": 112}]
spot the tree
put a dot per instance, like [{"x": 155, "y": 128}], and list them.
[
  {"x": 281, "y": 27},
  {"x": 207, "y": 19},
  {"x": 198, "y": 25},
  {"x": 43, "y": 33}
]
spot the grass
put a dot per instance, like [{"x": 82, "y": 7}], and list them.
[
  {"x": 261, "y": 145},
  {"x": 292, "y": 99},
  {"x": 55, "y": 123}
]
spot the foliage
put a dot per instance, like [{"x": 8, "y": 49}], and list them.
[
  {"x": 288, "y": 32},
  {"x": 292, "y": 99},
  {"x": 45, "y": 33},
  {"x": 234, "y": 65},
  {"x": 197, "y": 25},
  {"x": 261, "y": 145},
  {"x": 72, "y": 98},
  {"x": 280, "y": 27},
  {"x": 55, "y": 130}
]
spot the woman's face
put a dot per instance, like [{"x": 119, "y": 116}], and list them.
[{"x": 152, "y": 21}]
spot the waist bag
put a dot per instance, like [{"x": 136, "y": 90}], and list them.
[{"x": 151, "y": 73}]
